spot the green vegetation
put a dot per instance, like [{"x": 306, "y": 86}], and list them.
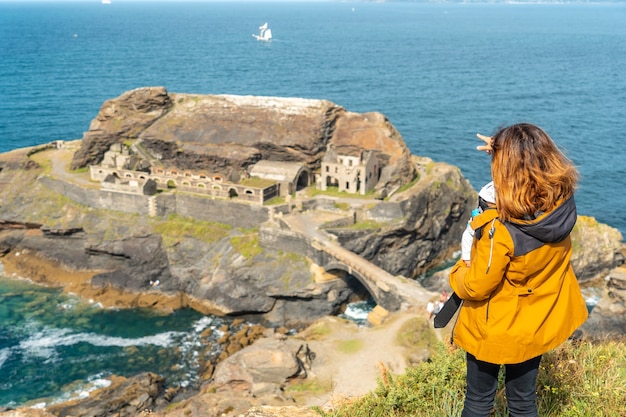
[
  {"x": 366, "y": 225},
  {"x": 257, "y": 182},
  {"x": 350, "y": 346},
  {"x": 175, "y": 228},
  {"x": 416, "y": 333},
  {"x": 311, "y": 386},
  {"x": 293, "y": 258},
  {"x": 342, "y": 206},
  {"x": 312, "y": 191},
  {"x": 247, "y": 244},
  {"x": 82, "y": 170},
  {"x": 275, "y": 201},
  {"x": 296, "y": 262},
  {"x": 318, "y": 331},
  {"x": 409, "y": 185},
  {"x": 575, "y": 380},
  {"x": 43, "y": 161}
]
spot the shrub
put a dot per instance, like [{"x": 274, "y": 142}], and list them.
[{"x": 577, "y": 379}]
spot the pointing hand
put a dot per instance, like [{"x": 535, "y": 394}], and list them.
[{"x": 488, "y": 142}]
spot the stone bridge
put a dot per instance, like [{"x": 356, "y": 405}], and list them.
[
  {"x": 299, "y": 234},
  {"x": 389, "y": 291}
]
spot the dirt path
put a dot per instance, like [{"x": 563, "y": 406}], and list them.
[{"x": 349, "y": 359}]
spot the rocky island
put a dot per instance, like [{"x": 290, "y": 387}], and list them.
[{"x": 277, "y": 211}]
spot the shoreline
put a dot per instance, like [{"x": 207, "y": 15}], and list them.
[{"x": 38, "y": 270}]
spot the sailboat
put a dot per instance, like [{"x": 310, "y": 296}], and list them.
[{"x": 265, "y": 33}]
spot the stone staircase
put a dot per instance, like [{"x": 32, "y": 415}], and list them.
[{"x": 152, "y": 206}]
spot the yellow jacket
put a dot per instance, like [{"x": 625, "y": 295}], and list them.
[{"x": 520, "y": 295}]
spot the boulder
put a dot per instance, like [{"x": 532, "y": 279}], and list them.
[
  {"x": 262, "y": 368},
  {"x": 123, "y": 398},
  {"x": 596, "y": 249},
  {"x": 608, "y": 317}
]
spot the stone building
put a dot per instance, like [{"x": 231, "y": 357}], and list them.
[
  {"x": 116, "y": 173},
  {"x": 354, "y": 172},
  {"x": 128, "y": 185},
  {"x": 123, "y": 171},
  {"x": 291, "y": 176},
  {"x": 118, "y": 156}
]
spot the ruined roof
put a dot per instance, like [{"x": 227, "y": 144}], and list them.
[{"x": 277, "y": 170}]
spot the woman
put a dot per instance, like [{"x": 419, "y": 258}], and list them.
[{"x": 521, "y": 297}]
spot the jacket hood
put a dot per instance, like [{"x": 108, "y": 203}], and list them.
[{"x": 550, "y": 227}]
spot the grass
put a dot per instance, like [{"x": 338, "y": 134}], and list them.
[
  {"x": 247, "y": 244},
  {"x": 318, "y": 331},
  {"x": 366, "y": 225},
  {"x": 43, "y": 161},
  {"x": 342, "y": 206},
  {"x": 415, "y": 334},
  {"x": 175, "y": 228},
  {"x": 350, "y": 346},
  {"x": 409, "y": 185},
  {"x": 257, "y": 182},
  {"x": 312, "y": 191},
  {"x": 575, "y": 380},
  {"x": 275, "y": 201},
  {"x": 310, "y": 386}
]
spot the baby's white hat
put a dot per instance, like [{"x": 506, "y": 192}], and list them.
[{"x": 488, "y": 193}]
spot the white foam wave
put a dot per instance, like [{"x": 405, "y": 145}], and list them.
[
  {"x": 358, "y": 311},
  {"x": 79, "y": 390},
  {"x": 90, "y": 387},
  {"x": 202, "y": 324},
  {"x": 4, "y": 355},
  {"x": 43, "y": 343},
  {"x": 592, "y": 300}
]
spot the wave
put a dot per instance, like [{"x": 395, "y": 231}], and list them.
[
  {"x": 4, "y": 355},
  {"x": 358, "y": 311},
  {"x": 203, "y": 323},
  {"x": 43, "y": 343}
]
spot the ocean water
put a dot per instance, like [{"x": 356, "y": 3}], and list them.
[
  {"x": 56, "y": 347},
  {"x": 440, "y": 72}
]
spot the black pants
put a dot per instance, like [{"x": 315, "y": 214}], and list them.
[{"x": 482, "y": 382}]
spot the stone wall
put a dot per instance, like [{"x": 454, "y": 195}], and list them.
[
  {"x": 187, "y": 205},
  {"x": 186, "y": 181},
  {"x": 235, "y": 214}
]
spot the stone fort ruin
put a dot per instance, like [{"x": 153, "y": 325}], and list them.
[{"x": 132, "y": 170}]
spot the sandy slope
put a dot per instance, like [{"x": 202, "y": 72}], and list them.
[{"x": 349, "y": 359}]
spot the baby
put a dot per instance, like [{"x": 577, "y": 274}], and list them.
[{"x": 486, "y": 199}]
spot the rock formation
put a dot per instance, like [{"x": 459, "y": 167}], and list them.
[
  {"x": 113, "y": 124},
  {"x": 125, "y": 397},
  {"x": 124, "y": 256},
  {"x": 226, "y": 134},
  {"x": 608, "y": 317}
]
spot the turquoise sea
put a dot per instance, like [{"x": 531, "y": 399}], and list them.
[{"x": 441, "y": 72}]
